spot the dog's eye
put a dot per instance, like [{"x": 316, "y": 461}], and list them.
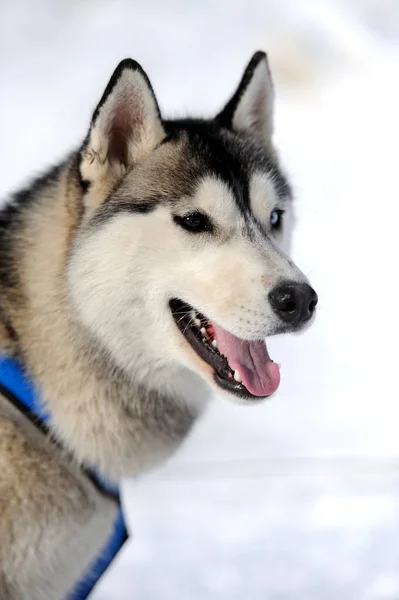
[
  {"x": 276, "y": 218},
  {"x": 195, "y": 222}
]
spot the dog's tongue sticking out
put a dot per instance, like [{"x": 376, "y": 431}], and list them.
[{"x": 259, "y": 374}]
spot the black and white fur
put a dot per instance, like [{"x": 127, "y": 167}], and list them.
[{"x": 92, "y": 256}]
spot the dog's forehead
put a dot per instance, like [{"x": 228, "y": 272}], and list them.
[
  {"x": 220, "y": 173},
  {"x": 234, "y": 172},
  {"x": 214, "y": 197},
  {"x": 166, "y": 174}
]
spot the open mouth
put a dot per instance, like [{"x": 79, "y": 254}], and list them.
[{"x": 241, "y": 367}]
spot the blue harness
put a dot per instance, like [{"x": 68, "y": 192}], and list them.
[{"x": 20, "y": 391}]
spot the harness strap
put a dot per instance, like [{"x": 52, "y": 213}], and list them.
[{"x": 19, "y": 390}]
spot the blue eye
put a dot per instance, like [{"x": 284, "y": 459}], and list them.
[{"x": 276, "y": 218}]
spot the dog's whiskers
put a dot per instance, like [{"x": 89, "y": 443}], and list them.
[{"x": 189, "y": 324}]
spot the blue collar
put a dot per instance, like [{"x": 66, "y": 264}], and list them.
[{"x": 18, "y": 389}]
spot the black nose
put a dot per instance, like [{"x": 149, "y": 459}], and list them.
[{"x": 294, "y": 303}]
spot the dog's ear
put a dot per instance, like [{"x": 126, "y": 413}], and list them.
[
  {"x": 250, "y": 110},
  {"x": 126, "y": 126}
]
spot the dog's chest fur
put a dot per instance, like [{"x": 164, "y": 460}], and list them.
[{"x": 50, "y": 513}]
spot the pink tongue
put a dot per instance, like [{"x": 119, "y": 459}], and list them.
[{"x": 260, "y": 375}]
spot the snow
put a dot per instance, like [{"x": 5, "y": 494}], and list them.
[{"x": 298, "y": 497}]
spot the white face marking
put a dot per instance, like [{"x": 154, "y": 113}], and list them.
[
  {"x": 123, "y": 275},
  {"x": 214, "y": 198},
  {"x": 263, "y": 198}
]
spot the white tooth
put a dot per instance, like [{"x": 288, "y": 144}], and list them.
[
  {"x": 237, "y": 376},
  {"x": 197, "y": 323},
  {"x": 215, "y": 343},
  {"x": 204, "y": 333}
]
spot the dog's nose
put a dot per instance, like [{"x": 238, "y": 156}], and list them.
[{"x": 294, "y": 303}]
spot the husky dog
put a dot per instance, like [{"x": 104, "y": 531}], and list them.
[{"x": 140, "y": 273}]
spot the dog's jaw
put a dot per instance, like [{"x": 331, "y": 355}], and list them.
[{"x": 241, "y": 369}]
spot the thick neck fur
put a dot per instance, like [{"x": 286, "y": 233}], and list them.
[{"x": 101, "y": 413}]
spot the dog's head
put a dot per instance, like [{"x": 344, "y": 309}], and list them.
[{"x": 180, "y": 259}]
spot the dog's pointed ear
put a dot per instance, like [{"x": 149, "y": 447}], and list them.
[
  {"x": 250, "y": 109},
  {"x": 125, "y": 127}
]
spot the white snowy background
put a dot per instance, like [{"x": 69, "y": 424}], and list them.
[{"x": 297, "y": 498}]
